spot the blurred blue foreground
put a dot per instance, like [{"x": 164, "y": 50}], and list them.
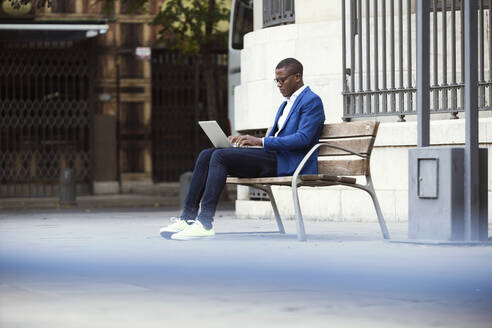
[{"x": 107, "y": 268}]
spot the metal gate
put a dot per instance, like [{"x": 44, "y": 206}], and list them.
[
  {"x": 45, "y": 116},
  {"x": 178, "y": 103},
  {"x": 378, "y": 57}
]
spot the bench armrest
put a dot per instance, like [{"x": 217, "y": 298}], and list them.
[{"x": 311, "y": 152}]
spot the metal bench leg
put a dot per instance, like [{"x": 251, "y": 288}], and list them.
[
  {"x": 301, "y": 233},
  {"x": 268, "y": 190},
  {"x": 382, "y": 223}
]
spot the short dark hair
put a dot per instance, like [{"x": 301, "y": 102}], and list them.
[{"x": 290, "y": 64}]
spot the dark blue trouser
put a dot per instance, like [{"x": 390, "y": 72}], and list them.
[{"x": 211, "y": 170}]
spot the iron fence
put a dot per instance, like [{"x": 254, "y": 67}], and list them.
[
  {"x": 278, "y": 12},
  {"x": 378, "y": 52}
]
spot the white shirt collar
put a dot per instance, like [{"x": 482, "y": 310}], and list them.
[{"x": 296, "y": 93}]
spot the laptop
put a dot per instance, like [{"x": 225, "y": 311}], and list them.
[{"x": 217, "y": 135}]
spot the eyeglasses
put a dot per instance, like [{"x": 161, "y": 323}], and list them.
[{"x": 283, "y": 79}]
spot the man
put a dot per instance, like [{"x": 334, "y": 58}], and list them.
[{"x": 296, "y": 129}]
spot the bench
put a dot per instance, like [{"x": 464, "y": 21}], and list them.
[{"x": 344, "y": 152}]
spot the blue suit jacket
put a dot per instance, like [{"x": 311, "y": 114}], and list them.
[{"x": 300, "y": 133}]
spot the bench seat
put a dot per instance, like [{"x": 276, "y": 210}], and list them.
[{"x": 314, "y": 180}]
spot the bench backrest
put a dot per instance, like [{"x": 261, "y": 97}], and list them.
[{"x": 356, "y": 136}]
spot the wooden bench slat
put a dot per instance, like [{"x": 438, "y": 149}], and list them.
[
  {"x": 316, "y": 177},
  {"x": 350, "y": 129},
  {"x": 348, "y": 180},
  {"x": 269, "y": 180},
  {"x": 343, "y": 167},
  {"x": 358, "y": 145},
  {"x": 307, "y": 179}
]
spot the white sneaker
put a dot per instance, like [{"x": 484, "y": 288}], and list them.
[
  {"x": 194, "y": 231},
  {"x": 177, "y": 225}
]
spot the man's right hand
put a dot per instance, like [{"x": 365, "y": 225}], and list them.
[{"x": 233, "y": 139}]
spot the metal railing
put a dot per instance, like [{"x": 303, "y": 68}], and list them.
[
  {"x": 278, "y": 12},
  {"x": 379, "y": 45}
]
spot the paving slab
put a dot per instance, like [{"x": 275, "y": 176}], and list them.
[{"x": 110, "y": 268}]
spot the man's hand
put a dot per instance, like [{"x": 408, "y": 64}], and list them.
[{"x": 245, "y": 140}]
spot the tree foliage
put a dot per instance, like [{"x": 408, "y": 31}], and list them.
[{"x": 193, "y": 26}]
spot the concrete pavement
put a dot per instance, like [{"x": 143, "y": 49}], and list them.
[{"x": 110, "y": 268}]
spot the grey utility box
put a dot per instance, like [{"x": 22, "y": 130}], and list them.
[{"x": 436, "y": 194}]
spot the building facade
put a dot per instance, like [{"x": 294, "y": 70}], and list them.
[
  {"x": 93, "y": 90},
  {"x": 359, "y": 56}
]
